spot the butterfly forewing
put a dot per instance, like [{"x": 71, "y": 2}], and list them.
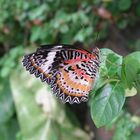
[{"x": 69, "y": 71}]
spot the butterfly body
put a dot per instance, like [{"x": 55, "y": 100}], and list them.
[{"x": 69, "y": 71}]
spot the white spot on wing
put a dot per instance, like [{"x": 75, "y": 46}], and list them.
[
  {"x": 60, "y": 46},
  {"x": 49, "y": 60}
]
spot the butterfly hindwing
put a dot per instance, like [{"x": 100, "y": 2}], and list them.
[{"x": 69, "y": 71}]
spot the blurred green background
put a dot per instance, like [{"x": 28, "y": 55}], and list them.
[{"x": 28, "y": 111}]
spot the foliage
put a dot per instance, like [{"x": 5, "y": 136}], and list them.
[
  {"x": 116, "y": 75},
  {"x": 125, "y": 127},
  {"x": 74, "y": 21},
  {"x": 48, "y": 114},
  {"x": 24, "y": 25}
]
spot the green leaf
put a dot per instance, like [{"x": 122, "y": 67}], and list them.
[
  {"x": 36, "y": 33},
  {"x": 9, "y": 130},
  {"x": 110, "y": 68},
  {"x": 124, "y": 4},
  {"x": 6, "y": 102},
  {"x": 124, "y": 128},
  {"x": 113, "y": 64},
  {"x": 83, "y": 34},
  {"x": 40, "y": 116},
  {"x": 104, "y": 53},
  {"x": 5, "y": 71},
  {"x": 107, "y": 104},
  {"x": 30, "y": 116},
  {"x": 38, "y": 12},
  {"x": 131, "y": 70},
  {"x": 64, "y": 28},
  {"x": 9, "y": 61},
  {"x": 80, "y": 17},
  {"x": 122, "y": 24}
]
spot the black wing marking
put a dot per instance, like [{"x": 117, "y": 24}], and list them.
[{"x": 45, "y": 63}]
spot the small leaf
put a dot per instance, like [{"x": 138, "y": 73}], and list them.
[
  {"x": 113, "y": 64},
  {"x": 124, "y": 4},
  {"x": 36, "y": 33},
  {"x": 6, "y": 102},
  {"x": 122, "y": 23},
  {"x": 104, "y": 53},
  {"x": 80, "y": 17},
  {"x": 83, "y": 34},
  {"x": 130, "y": 92},
  {"x": 131, "y": 70},
  {"x": 124, "y": 128},
  {"x": 107, "y": 104},
  {"x": 5, "y": 71},
  {"x": 38, "y": 12},
  {"x": 64, "y": 28}
]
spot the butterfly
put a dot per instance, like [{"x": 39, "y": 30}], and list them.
[{"x": 70, "y": 71}]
